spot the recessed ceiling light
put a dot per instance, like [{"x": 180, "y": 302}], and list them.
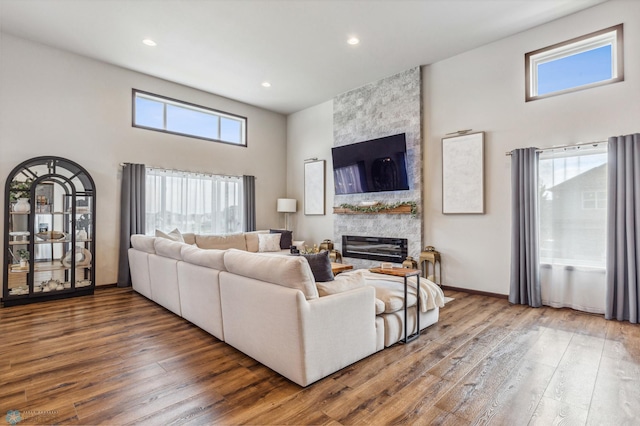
[
  {"x": 149, "y": 42},
  {"x": 266, "y": 84},
  {"x": 353, "y": 41}
]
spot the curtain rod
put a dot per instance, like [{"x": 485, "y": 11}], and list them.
[
  {"x": 167, "y": 169},
  {"x": 568, "y": 146}
]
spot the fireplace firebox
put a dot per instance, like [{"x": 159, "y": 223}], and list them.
[{"x": 375, "y": 248}]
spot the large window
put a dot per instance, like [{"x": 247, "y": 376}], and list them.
[
  {"x": 162, "y": 114},
  {"x": 191, "y": 202},
  {"x": 572, "y": 202},
  {"x": 588, "y": 61}
]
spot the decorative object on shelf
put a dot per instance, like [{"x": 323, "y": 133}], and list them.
[
  {"x": 429, "y": 248},
  {"x": 82, "y": 256},
  {"x": 326, "y": 245},
  {"x": 22, "y": 206},
  {"x": 51, "y": 235},
  {"x": 335, "y": 256},
  {"x": 19, "y": 235},
  {"x": 83, "y": 283},
  {"x": 24, "y": 255},
  {"x": 19, "y": 189},
  {"x": 410, "y": 263},
  {"x": 380, "y": 208}
]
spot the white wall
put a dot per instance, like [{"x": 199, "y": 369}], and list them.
[
  {"x": 484, "y": 90},
  {"x": 56, "y": 103},
  {"x": 309, "y": 135}
]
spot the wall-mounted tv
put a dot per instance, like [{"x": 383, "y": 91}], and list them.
[{"x": 371, "y": 166}]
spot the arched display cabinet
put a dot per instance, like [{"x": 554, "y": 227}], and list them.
[{"x": 49, "y": 231}]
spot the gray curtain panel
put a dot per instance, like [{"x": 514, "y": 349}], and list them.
[
  {"x": 249, "y": 187},
  {"x": 132, "y": 215},
  {"x": 525, "y": 265},
  {"x": 623, "y": 229}
]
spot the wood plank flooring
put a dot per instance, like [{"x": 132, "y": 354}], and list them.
[{"x": 117, "y": 358}]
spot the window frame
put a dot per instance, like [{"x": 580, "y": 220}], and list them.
[
  {"x": 571, "y": 47},
  {"x": 191, "y": 106}
]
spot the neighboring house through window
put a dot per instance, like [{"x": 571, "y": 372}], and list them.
[{"x": 193, "y": 202}]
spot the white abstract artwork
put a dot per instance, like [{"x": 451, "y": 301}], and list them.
[
  {"x": 463, "y": 174},
  {"x": 314, "y": 180}
]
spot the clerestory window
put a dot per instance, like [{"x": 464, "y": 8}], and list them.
[
  {"x": 591, "y": 60},
  {"x": 154, "y": 112}
]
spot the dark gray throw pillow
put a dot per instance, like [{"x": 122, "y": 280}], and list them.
[
  {"x": 320, "y": 266},
  {"x": 286, "y": 239}
]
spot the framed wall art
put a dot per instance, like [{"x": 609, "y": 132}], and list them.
[
  {"x": 463, "y": 174},
  {"x": 314, "y": 187}
]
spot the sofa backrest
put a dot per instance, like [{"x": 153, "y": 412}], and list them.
[
  {"x": 143, "y": 243},
  {"x": 221, "y": 242},
  {"x": 211, "y": 258},
  {"x": 288, "y": 271}
]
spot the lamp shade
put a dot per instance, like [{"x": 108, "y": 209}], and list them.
[{"x": 286, "y": 205}]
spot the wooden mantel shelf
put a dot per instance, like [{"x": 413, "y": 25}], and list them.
[{"x": 403, "y": 209}]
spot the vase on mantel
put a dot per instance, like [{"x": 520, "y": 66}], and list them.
[{"x": 22, "y": 206}]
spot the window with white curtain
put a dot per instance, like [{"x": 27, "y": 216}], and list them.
[
  {"x": 573, "y": 227},
  {"x": 573, "y": 215},
  {"x": 193, "y": 202}
]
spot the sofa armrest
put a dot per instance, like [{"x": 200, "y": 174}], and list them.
[
  {"x": 339, "y": 330},
  {"x": 302, "y": 340}
]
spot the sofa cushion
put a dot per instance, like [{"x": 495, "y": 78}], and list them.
[
  {"x": 286, "y": 237},
  {"x": 174, "y": 235},
  {"x": 221, "y": 242},
  {"x": 251, "y": 239},
  {"x": 288, "y": 271},
  {"x": 168, "y": 248},
  {"x": 268, "y": 242},
  {"x": 342, "y": 282},
  {"x": 143, "y": 243},
  {"x": 189, "y": 238},
  {"x": 320, "y": 266},
  {"x": 211, "y": 258}
]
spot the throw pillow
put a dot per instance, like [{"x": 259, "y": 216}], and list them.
[
  {"x": 286, "y": 240},
  {"x": 174, "y": 235},
  {"x": 320, "y": 266},
  {"x": 268, "y": 242}
]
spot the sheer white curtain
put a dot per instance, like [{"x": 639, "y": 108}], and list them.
[
  {"x": 193, "y": 202},
  {"x": 573, "y": 227}
]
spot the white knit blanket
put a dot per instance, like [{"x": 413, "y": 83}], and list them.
[{"x": 430, "y": 294}]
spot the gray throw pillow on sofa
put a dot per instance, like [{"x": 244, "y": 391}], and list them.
[
  {"x": 286, "y": 237},
  {"x": 320, "y": 266}
]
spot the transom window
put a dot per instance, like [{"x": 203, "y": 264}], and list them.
[
  {"x": 588, "y": 61},
  {"x": 154, "y": 112}
]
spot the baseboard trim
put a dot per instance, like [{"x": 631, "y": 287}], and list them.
[
  {"x": 480, "y": 293},
  {"x": 103, "y": 286}
]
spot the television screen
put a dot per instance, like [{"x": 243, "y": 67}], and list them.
[{"x": 371, "y": 166}]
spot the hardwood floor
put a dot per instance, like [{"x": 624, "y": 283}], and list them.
[{"x": 117, "y": 358}]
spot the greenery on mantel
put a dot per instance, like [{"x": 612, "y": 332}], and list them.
[{"x": 382, "y": 207}]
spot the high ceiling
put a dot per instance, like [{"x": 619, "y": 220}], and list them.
[{"x": 230, "y": 47}]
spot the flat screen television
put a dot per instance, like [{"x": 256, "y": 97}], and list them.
[{"x": 372, "y": 166}]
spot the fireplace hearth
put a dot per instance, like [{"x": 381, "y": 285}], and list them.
[{"x": 379, "y": 249}]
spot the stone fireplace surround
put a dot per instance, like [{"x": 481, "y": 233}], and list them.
[{"x": 389, "y": 106}]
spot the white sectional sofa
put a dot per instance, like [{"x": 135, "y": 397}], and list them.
[{"x": 268, "y": 306}]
